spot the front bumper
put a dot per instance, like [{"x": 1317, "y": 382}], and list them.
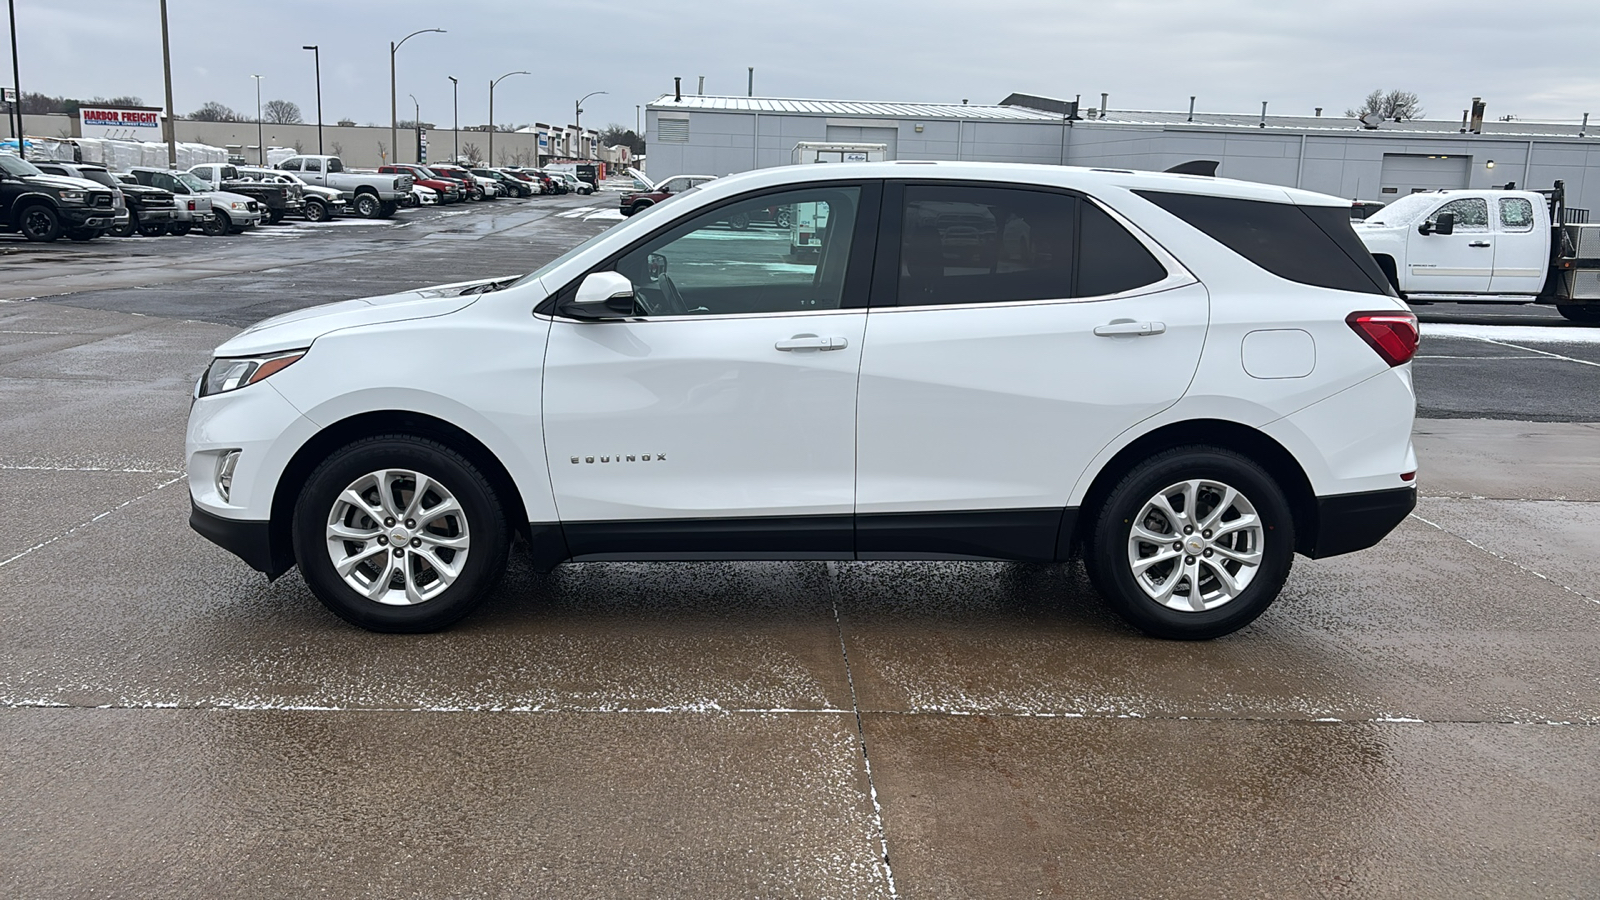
[
  {"x": 1350, "y": 522},
  {"x": 247, "y": 539},
  {"x": 87, "y": 217},
  {"x": 161, "y": 214}
]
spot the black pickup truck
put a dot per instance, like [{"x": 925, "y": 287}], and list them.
[
  {"x": 278, "y": 199},
  {"x": 150, "y": 210},
  {"x": 44, "y": 207}
]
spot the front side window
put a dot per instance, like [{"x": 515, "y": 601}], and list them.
[
  {"x": 1516, "y": 214},
  {"x": 334, "y": 165},
  {"x": 786, "y": 252},
  {"x": 1472, "y": 213},
  {"x": 985, "y": 245}
]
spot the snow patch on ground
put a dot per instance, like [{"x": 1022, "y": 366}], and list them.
[{"x": 1514, "y": 334}]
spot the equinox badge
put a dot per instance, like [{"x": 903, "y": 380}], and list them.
[{"x": 643, "y": 457}]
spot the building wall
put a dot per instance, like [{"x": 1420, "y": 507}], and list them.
[
  {"x": 358, "y": 144},
  {"x": 1344, "y": 164}
]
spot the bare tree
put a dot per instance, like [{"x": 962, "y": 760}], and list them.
[
  {"x": 212, "y": 111},
  {"x": 1395, "y": 105},
  {"x": 299, "y": 146},
  {"x": 282, "y": 112},
  {"x": 471, "y": 151},
  {"x": 383, "y": 151},
  {"x": 337, "y": 148}
]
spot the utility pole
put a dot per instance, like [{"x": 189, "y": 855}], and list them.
[
  {"x": 318, "y": 53},
  {"x": 16, "y": 71},
  {"x": 490, "y": 160},
  {"x": 455, "y": 112},
  {"x": 261, "y": 144},
  {"x": 166, "y": 65}
]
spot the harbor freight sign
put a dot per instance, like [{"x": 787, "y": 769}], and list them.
[{"x": 127, "y": 123}]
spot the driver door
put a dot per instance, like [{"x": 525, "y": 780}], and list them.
[
  {"x": 1462, "y": 262},
  {"x": 719, "y": 421}
]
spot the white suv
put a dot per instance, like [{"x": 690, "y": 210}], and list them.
[{"x": 1183, "y": 380}]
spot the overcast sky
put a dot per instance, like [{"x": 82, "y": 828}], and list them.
[{"x": 1529, "y": 59}]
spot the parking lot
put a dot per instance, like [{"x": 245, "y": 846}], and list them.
[{"x": 1421, "y": 719}]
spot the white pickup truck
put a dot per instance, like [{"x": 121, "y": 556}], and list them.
[{"x": 1489, "y": 246}]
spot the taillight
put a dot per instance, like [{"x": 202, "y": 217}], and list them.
[
  {"x": 191, "y": 206},
  {"x": 1394, "y": 335}
]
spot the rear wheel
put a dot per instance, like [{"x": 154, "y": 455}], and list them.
[
  {"x": 40, "y": 223},
  {"x": 1193, "y": 544},
  {"x": 1583, "y": 313},
  {"x": 274, "y": 216},
  {"x": 739, "y": 221},
  {"x": 387, "y": 209},
  {"x": 367, "y": 206},
  {"x": 176, "y": 228},
  {"x": 83, "y": 234},
  {"x": 400, "y": 534}
]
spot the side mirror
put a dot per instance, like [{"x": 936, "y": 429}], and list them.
[
  {"x": 1444, "y": 223},
  {"x": 655, "y": 265},
  {"x": 602, "y": 295}
]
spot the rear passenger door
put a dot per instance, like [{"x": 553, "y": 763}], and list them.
[
  {"x": 1522, "y": 250},
  {"x": 1014, "y": 332}
]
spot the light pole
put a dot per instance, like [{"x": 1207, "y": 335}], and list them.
[
  {"x": 261, "y": 144},
  {"x": 416, "y": 123},
  {"x": 166, "y": 69},
  {"x": 455, "y": 113},
  {"x": 16, "y": 73},
  {"x": 577, "y": 115},
  {"x": 394, "y": 117},
  {"x": 318, "y": 54},
  {"x": 490, "y": 160}
]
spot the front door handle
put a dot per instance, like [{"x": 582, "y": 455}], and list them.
[
  {"x": 1477, "y": 243},
  {"x": 812, "y": 342},
  {"x": 1130, "y": 327}
]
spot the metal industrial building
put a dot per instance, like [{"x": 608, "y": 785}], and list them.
[{"x": 708, "y": 135}]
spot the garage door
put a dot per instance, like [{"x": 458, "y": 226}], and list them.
[
  {"x": 1407, "y": 174},
  {"x": 851, "y": 134}
]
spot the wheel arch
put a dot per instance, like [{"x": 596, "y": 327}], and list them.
[
  {"x": 311, "y": 454},
  {"x": 1249, "y": 442},
  {"x": 25, "y": 201}
]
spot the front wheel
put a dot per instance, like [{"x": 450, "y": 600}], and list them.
[
  {"x": 219, "y": 224},
  {"x": 1582, "y": 313},
  {"x": 274, "y": 216},
  {"x": 128, "y": 228},
  {"x": 317, "y": 211},
  {"x": 83, "y": 234},
  {"x": 1193, "y": 544},
  {"x": 176, "y": 229},
  {"x": 40, "y": 223},
  {"x": 400, "y": 534}
]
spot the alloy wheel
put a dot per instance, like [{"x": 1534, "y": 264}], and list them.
[
  {"x": 1195, "y": 545},
  {"x": 397, "y": 537}
]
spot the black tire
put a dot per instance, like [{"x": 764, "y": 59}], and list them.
[
  {"x": 739, "y": 221},
  {"x": 219, "y": 224},
  {"x": 367, "y": 206},
  {"x": 274, "y": 216},
  {"x": 387, "y": 209},
  {"x": 1582, "y": 313},
  {"x": 640, "y": 207},
  {"x": 83, "y": 234},
  {"x": 317, "y": 211},
  {"x": 176, "y": 229},
  {"x": 128, "y": 230},
  {"x": 1108, "y": 548},
  {"x": 39, "y": 223},
  {"x": 485, "y": 524},
  {"x": 783, "y": 217}
]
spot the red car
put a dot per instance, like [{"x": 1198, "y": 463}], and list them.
[
  {"x": 449, "y": 191},
  {"x": 635, "y": 201},
  {"x": 474, "y": 189}
]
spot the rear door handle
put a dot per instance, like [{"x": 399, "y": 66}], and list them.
[
  {"x": 1477, "y": 243},
  {"x": 812, "y": 342},
  {"x": 1129, "y": 327}
]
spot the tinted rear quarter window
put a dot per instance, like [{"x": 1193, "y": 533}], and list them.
[
  {"x": 1312, "y": 245},
  {"x": 1110, "y": 260}
]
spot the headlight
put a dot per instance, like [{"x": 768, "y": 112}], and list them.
[
  {"x": 227, "y": 374},
  {"x": 72, "y": 196},
  {"x": 237, "y": 205}
]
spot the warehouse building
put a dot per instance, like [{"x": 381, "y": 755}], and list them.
[{"x": 707, "y": 135}]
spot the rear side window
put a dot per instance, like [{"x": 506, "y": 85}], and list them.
[
  {"x": 1110, "y": 260},
  {"x": 985, "y": 245},
  {"x": 292, "y": 165},
  {"x": 1312, "y": 245}
]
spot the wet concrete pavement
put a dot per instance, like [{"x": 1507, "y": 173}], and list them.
[{"x": 1418, "y": 720}]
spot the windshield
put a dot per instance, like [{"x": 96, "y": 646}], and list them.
[
  {"x": 191, "y": 182},
  {"x": 1405, "y": 210},
  {"x": 101, "y": 176},
  {"x": 13, "y": 165}
]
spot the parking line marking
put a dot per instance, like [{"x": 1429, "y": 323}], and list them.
[
  {"x": 1581, "y": 362},
  {"x": 90, "y": 521},
  {"x": 1503, "y": 558},
  {"x": 112, "y": 469}
]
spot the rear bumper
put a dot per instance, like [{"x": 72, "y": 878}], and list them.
[
  {"x": 249, "y": 540},
  {"x": 1350, "y": 522}
]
